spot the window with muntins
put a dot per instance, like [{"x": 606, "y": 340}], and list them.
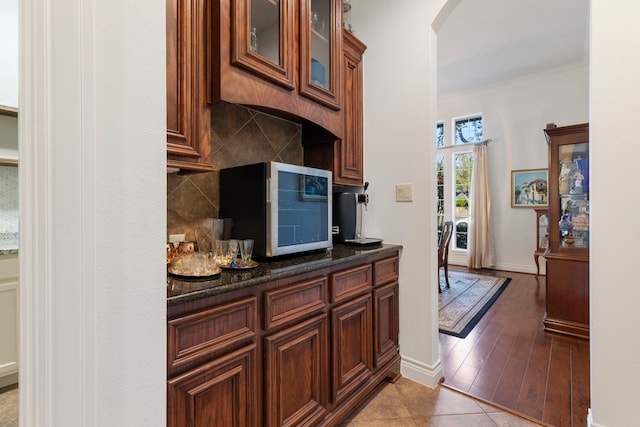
[
  {"x": 456, "y": 203},
  {"x": 468, "y": 130}
]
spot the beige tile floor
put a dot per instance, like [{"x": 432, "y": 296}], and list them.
[
  {"x": 403, "y": 404},
  {"x": 9, "y": 406},
  {"x": 407, "y": 403}
]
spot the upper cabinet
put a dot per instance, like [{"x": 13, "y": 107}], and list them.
[
  {"x": 345, "y": 156},
  {"x": 262, "y": 35},
  {"x": 284, "y": 57},
  {"x": 279, "y": 55},
  {"x": 188, "y": 114},
  {"x": 320, "y": 51}
]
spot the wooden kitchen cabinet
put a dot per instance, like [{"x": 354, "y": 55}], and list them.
[
  {"x": 386, "y": 310},
  {"x": 385, "y": 324},
  {"x": 188, "y": 114},
  {"x": 300, "y": 350},
  {"x": 219, "y": 393},
  {"x": 271, "y": 55},
  {"x": 295, "y": 374},
  {"x": 263, "y": 39},
  {"x": 345, "y": 156},
  {"x": 351, "y": 344},
  {"x": 567, "y": 282},
  {"x": 320, "y": 51}
]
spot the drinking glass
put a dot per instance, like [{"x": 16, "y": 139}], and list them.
[
  {"x": 233, "y": 252},
  {"x": 199, "y": 263},
  {"x": 221, "y": 251},
  {"x": 211, "y": 263},
  {"x": 246, "y": 249}
]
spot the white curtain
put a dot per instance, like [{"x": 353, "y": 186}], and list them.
[{"x": 481, "y": 243}]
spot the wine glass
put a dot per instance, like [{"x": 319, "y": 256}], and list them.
[{"x": 233, "y": 252}]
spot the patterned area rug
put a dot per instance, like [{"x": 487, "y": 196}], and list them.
[{"x": 462, "y": 306}]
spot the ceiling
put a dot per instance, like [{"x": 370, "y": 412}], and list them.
[{"x": 484, "y": 42}]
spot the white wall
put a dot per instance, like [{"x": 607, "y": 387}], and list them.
[
  {"x": 9, "y": 53},
  {"x": 399, "y": 124},
  {"x": 614, "y": 88},
  {"x": 93, "y": 213},
  {"x": 514, "y": 115}
]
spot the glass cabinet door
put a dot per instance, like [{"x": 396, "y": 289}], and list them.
[
  {"x": 542, "y": 232},
  {"x": 321, "y": 50},
  {"x": 262, "y": 38},
  {"x": 573, "y": 189}
]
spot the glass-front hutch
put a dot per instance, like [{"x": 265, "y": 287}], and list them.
[{"x": 567, "y": 281}]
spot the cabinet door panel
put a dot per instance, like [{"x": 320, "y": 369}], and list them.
[
  {"x": 263, "y": 39},
  {"x": 320, "y": 50},
  {"x": 220, "y": 393},
  {"x": 297, "y": 374},
  {"x": 351, "y": 350},
  {"x": 350, "y": 164},
  {"x": 188, "y": 116},
  {"x": 385, "y": 334}
]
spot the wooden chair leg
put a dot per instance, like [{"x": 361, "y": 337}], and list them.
[{"x": 446, "y": 275}]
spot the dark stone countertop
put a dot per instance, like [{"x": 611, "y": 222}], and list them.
[{"x": 180, "y": 290}]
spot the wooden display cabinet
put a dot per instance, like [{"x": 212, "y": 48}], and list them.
[
  {"x": 542, "y": 236},
  {"x": 345, "y": 157},
  {"x": 260, "y": 55},
  {"x": 567, "y": 283},
  {"x": 321, "y": 51}
]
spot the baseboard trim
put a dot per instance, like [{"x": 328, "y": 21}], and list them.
[
  {"x": 428, "y": 375},
  {"x": 516, "y": 268},
  {"x": 8, "y": 380}
]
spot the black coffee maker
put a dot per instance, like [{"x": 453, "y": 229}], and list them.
[{"x": 347, "y": 217}]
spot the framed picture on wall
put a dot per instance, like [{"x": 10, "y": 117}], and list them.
[{"x": 529, "y": 188}]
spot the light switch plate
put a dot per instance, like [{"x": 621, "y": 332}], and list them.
[{"x": 404, "y": 192}]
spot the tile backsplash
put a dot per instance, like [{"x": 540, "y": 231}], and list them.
[{"x": 239, "y": 136}]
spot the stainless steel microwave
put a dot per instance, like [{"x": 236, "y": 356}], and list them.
[{"x": 284, "y": 208}]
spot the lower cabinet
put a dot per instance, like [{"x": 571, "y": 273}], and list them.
[
  {"x": 304, "y": 350},
  {"x": 352, "y": 350},
  {"x": 295, "y": 372},
  {"x": 218, "y": 393},
  {"x": 567, "y": 290},
  {"x": 385, "y": 324}
]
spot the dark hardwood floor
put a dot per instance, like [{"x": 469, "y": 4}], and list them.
[{"x": 508, "y": 358}]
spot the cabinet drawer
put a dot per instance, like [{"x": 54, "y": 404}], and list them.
[
  {"x": 294, "y": 302},
  {"x": 202, "y": 334},
  {"x": 348, "y": 283},
  {"x": 386, "y": 270}
]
